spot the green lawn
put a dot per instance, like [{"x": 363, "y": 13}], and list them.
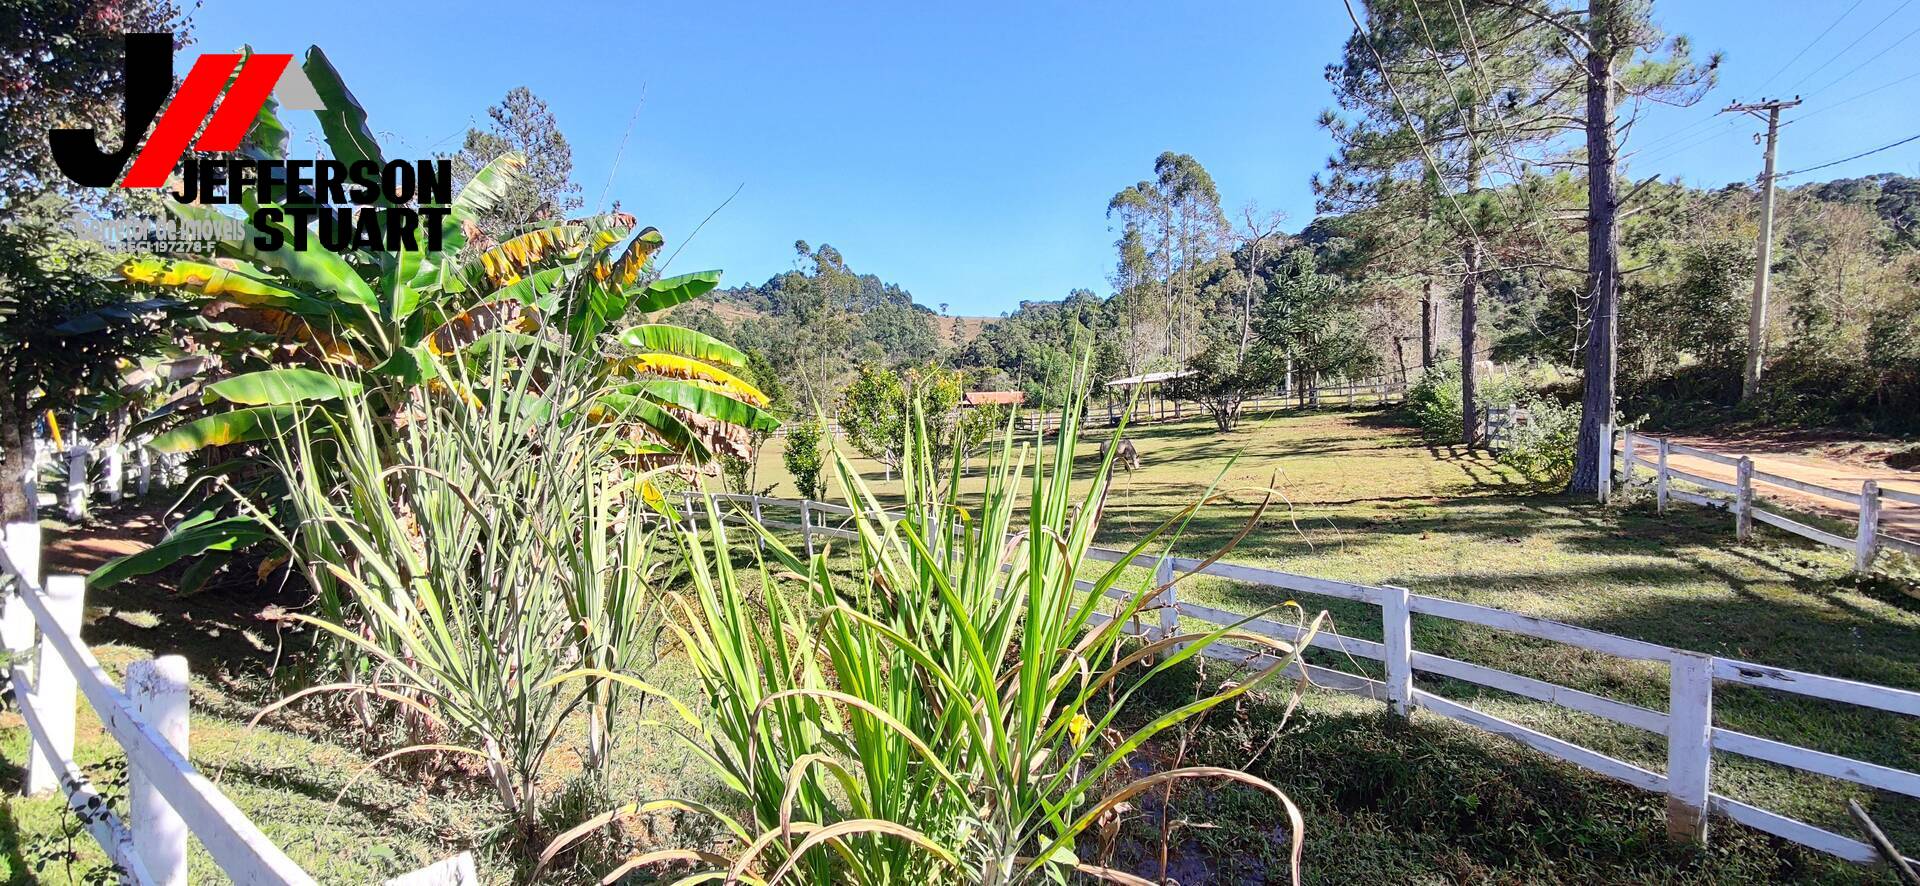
[{"x": 1430, "y": 801}]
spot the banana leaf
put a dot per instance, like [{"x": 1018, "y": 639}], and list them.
[
  {"x": 344, "y": 122},
  {"x": 267, "y": 138},
  {"x": 221, "y": 429},
  {"x": 466, "y": 327},
  {"x": 663, "y": 294},
  {"x": 672, "y": 366},
  {"x": 280, "y": 387},
  {"x": 638, "y": 254},
  {"x": 670, "y": 339},
  {"x": 231, "y": 533},
  {"x": 703, "y": 401},
  {"x": 539, "y": 289}
]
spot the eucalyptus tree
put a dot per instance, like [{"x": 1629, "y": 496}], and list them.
[{"x": 1174, "y": 220}]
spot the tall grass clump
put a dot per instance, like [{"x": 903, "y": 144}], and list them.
[
  {"x": 943, "y": 709},
  {"x": 481, "y": 562}
]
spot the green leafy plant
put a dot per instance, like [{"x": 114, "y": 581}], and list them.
[
  {"x": 486, "y": 573},
  {"x": 1542, "y": 447},
  {"x": 805, "y": 458},
  {"x": 946, "y": 710},
  {"x": 1433, "y": 402},
  {"x": 299, "y": 329}
]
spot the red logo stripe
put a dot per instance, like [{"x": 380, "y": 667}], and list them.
[
  {"x": 243, "y": 102},
  {"x": 191, "y": 104}
]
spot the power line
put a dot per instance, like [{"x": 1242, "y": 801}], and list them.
[
  {"x": 1810, "y": 44},
  {"x": 1412, "y": 126},
  {"x": 1859, "y": 95},
  {"x": 1850, "y": 72},
  {"x": 1915, "y": 137},
  {"x": 1843, "y": 50},
  {"x": 1693, "y": 143}
]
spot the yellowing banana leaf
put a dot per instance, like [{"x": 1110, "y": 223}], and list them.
[
  {"x": 213, "y": 280},
  {"x": 287, "y": 329},
  {"x": 663, "y": 294},
  {"x": 468, "y": 326},
  {"x": 481, "y": 193},
  {"x": 674, "y": 366},
  {"x": 221, "y": 429},
  {"x": 278, "y": 387},
  {"x": 667, "y": 338},
  {"x": 627, "y": 268},
  {"x": 539, "y": 289},
  {"x": 506, "y": 263},
  {"x": 703, "y": 401}
]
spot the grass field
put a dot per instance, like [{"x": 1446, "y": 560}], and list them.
[{"x": 1429, "y": 801}]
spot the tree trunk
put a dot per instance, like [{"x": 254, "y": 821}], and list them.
[
  {"x": 16, "y": 453},
  {"x": 1470, "y": 299},
  {"x": 1426, "y": 323},
  {"x": 1469, "y": 322},
  {"x": 1593, "y": 451}
]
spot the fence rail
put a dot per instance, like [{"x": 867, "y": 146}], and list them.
[
  {"x": 51, "y": 671},
  {"x": 1687, "y": 724},
  {"x": 1866, "y": 543}
]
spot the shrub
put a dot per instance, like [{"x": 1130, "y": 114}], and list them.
[
  {"x": 1434, "y": 403},
  {"x": 804, "y": 457},
  {"x": 481, "y": 566},
  {"x": 1542, "y": 449}
]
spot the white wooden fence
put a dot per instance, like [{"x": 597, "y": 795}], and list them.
[
  {"x": 50, "y": 670},
  {"x": 124, "y": 462},
  {"x": 1687, "y": 724},
  {"x": 1738, "y": 497}
]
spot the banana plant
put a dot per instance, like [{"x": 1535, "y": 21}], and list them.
[
  {"x": 380, "y": 316},
  {"x": 302, "y": 328}
]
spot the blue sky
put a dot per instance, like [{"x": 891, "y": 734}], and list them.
[{"x": 967, "y": 151}]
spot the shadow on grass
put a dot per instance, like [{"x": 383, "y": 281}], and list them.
[{"x": 1392, "y": 801}]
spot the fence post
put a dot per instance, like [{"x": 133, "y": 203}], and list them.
[
  {"x": 1743, "y": 498},
  {"x": 1689, "y": 746},
  {"x": 806, "y": 527},
  {"x": 116, "y": 471},
  {"x": 16, "y": 621},
  {"x": 77, "y": 481},
  {"x": 759, "y": 541},
  {"x": 1605, "y": 480},
  {"x": 146, "y": 470},
  {"x": 1396, "y": 618},
  {"x": 1629, "y": 460},
  {"x": 1164, "y": 598},
  {"x": 1660, "y": 479},
  {"x": 55, "y": 694},
  {"x": 1867, "y": 542},
  {"x": 158, "y": 690}
]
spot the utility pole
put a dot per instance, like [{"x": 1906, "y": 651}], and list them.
[{"x": 1757, "y": 315}]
